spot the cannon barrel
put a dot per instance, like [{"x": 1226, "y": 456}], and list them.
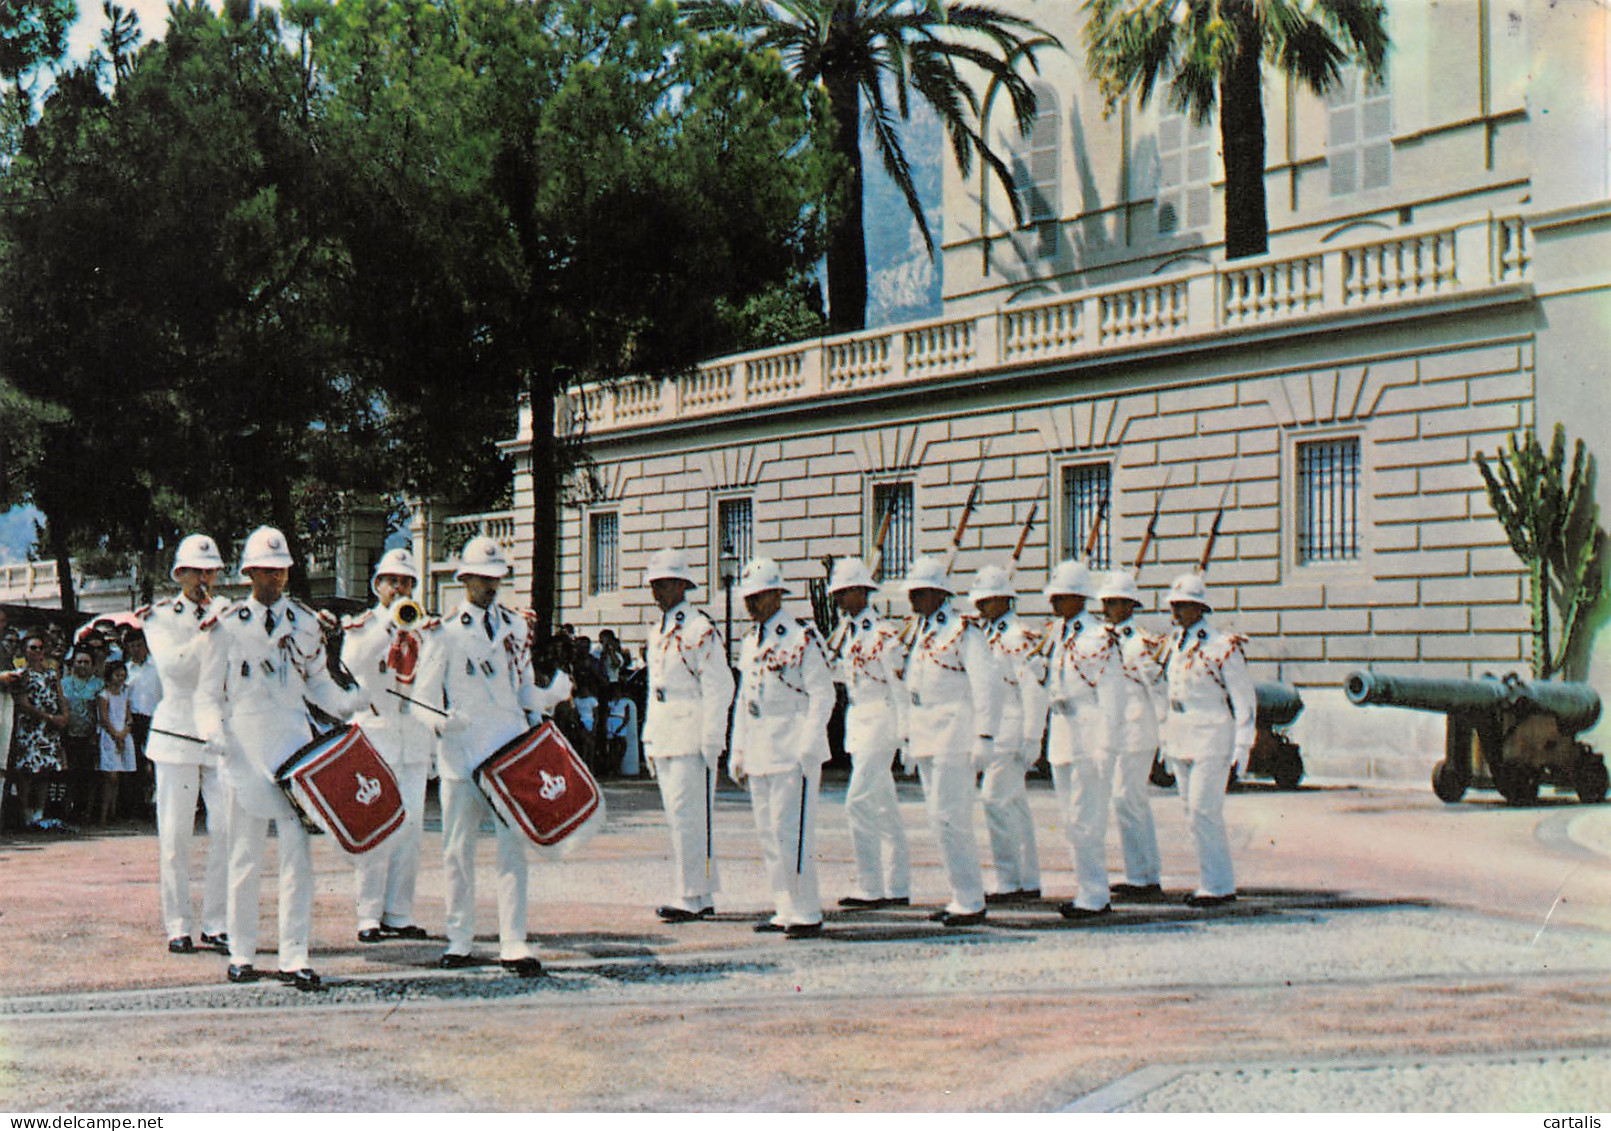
[
  {"x": 1575, "y": 706},
  {"x": 1278, "y": 704},
  {"x": 1446, "y": 696}
]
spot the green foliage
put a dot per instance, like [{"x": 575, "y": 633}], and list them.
[
  {"x": 1210, "y": 55},
  {"x": 850, "y": 56},
  {"x": 1552, "y": 521}
]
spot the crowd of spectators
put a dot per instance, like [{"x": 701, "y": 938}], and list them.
[{"x": 608, "y": 693}]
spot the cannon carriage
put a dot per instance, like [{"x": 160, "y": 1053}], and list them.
[{"x": 1522, "y": 732}]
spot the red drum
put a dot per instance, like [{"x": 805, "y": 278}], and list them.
[
  {"x": 537, "y": 784},
  {"x": 344, "y": 787}
]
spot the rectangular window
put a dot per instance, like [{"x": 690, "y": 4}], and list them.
[
  {"x": 1359, "y": 134},
  {"x": 1036, "y": 169},
  {"x": 1087, "y": 487},
  {"x": 735, "y": 537},
  {"x": 900, "y": 543},
  {"x": 603, "y": 545},
  {"x": 1328, "y": 501},
  {"x": 1185, "y": 173}
]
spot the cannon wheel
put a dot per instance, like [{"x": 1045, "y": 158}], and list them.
[
  {"x": 1288, "y": 768},
  {"x": 1447, "y": 783},
  {"x": 1517, "y": 784},
  {"x": 1589, "y": 778}
]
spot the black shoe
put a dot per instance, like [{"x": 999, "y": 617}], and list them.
[
  {"x": 963, "y": 919},
  {"x": 857, "y": 903},
  {"x": 767, "y": 927},
  {"x": 670, "y": 914},
  {"x": 304, "y": 979},
  {"x": 1069, "y": 911},
  {"x": 409, "y": 932},
  {"x": 181, "y": 945},
  {"x": 371, "y": 935},
  {"x": 242, "y": 973},
  {"x": 219, "y": 942},
  {"x": 937, "y": 916},
  {"x": 451, "y": 961},
  {"x": 996, "y": 898},
  {"x": 896, "y": 901},
  {"x": 1028, "y": 895},
  {"x": 1195, "y": 900},
  {"x": 1138, "y": 893},
  {"x": 527, "y": 967},
  {"x": 802, "y": 930}
]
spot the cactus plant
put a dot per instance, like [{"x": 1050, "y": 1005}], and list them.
[{"x": 1553, "y": 524}]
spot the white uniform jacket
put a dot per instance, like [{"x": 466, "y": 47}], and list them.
[
  {"x": 690, "y": 687},
  {"x": 384, "y": 658},
  {"x": 865, "y": 653},
  {"x": 260, "y": 669},
  {"x": 174, "y": 634},
  {"x": 785, "y": 695},
  {"x": 1073, "y": 666},
  {"x": 1128, "y": 688},
  {"x": 951, "y": 684},
  {"x": 1210, "y": 706},
  {"x": 478, "y": 668},
  {"x": 1021, "y": 664}
]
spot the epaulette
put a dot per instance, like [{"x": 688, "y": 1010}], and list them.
[
  {"x": 142, "y": 612},
  {"x": 312, "y": 612}
]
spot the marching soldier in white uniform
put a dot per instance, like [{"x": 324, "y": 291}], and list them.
[
  {"x": 952, "y": 710},
  {"x": 1208, "y": 726},
  {"x": 185, "y": 765},
  {"x": 1128, "y": 692},
  {"x": 685, "y": 730},
  {"x": 1081, "y": 778},
  {"x": 479, "y": 669},
  {"x": 780, "y": 741},
  {"x": 384, "y": 655},
  {"x": 264, "y": 662},
  {"x": 865, "y": 652},
  {"x": 1021, "y": 671}
]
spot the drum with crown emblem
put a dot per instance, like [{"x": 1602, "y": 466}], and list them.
[
  {"x": 537, "y": 784},
  {"x": 339, "y": 783}
]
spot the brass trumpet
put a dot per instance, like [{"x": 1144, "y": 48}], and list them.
[{"x": 407, "y": 613}]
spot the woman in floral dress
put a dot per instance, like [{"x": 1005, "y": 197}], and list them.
[{"x": 37, "y": 740}]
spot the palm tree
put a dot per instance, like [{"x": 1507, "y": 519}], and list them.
[
  {"x": 857, "y": 52},
  {"x": 1212, "y": 51}
]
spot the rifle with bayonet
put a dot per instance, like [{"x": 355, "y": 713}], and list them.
[{"x": 967, "y": 510}]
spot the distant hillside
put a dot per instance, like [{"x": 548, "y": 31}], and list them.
[
  {"x": 16, "y": 534},
  {"x": 904, "y": 283}
]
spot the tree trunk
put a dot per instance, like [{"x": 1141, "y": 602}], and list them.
[
  {"x": 1241, "y": 130},
  {"x": 59, "y": 548},
  {"x": 545, "y": 503},
  {"x": 847, "y": 241},
  {"x": 284, "y": 517}
]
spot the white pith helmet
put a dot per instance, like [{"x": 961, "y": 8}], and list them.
[
  {"x": 1190, "y": 588},
  {"x": 266, "y": 548},
  {"x": 851, "y": 573},
  {"x": 761, "y": 575},
  {"x": 482, "y": 557},
  {"x": 991, "y": 581},
  {"x": 669, "y": 565},
  {"x": 927, "y": 573},
  {"x": 196, "y": 551},
  {"x": 1070, "y": 579},
  {"x": 1120, "y": 583},
  {"x": 395, "y": 563}
]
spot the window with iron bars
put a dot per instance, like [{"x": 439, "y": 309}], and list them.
[
  {"x": 603, "y": 558},
  {"x": 1328, "y": 500},
  {"x": 1086, "y": 486},
  {"x": 735, "y": 531},
  {"x": 895, "y": 500}
]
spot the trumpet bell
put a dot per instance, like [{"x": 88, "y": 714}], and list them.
[{"x": 407, "y": 613}]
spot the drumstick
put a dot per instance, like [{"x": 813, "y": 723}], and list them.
[
  {"x": 176, "y": 734},
  {"x": 417, "y": 703}
]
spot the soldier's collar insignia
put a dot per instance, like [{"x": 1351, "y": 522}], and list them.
[
  {"x": 245, "y": 613},
  {"x": 679, "y": 617},
  {"x": 1202, "y": 634},
  {"x": 466, "y": 618},
  {"x": 1126, "y": 630},
  {"x": 781, "y": 630},
  {"x": 939, "y": 618},
  {"x": 867, "y": 622}
]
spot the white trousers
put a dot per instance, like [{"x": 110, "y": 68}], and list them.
[
  {"x": 1132, "y": 808},
  {"x": 464, "y": 810},
  {"x": 948, "y": 797},
  {"x": 248, "y": 841},
  {"x": 177, "y": 787},
  {"x": 883, "y": 861},
  {"x": 386, "y": 876},
  {"x": 1202, "y": 788},
  {"x": 688, "y": 795},
  {"x": 1089, "y": 789},
  {"x": 1011, "y": 828},
  {"x": 785, "y": 810}
]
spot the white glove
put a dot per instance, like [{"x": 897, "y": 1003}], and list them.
[
  {"x": 983, "y": 747},
  {"x": 456, "y": 723},
  {"x": 735, "y": 768}
]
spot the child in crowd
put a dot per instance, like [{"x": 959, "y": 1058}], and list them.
[{"x": 117, "y": 741}]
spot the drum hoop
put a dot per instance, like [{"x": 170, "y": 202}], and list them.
[{"x": 486, "y": 782}]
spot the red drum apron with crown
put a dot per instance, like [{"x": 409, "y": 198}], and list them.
[
  {"x": 341, "y": 785},
  {"x": 537, "y": 784}
]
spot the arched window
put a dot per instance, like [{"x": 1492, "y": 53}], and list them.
[{"x": 1037, "y": 168}]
